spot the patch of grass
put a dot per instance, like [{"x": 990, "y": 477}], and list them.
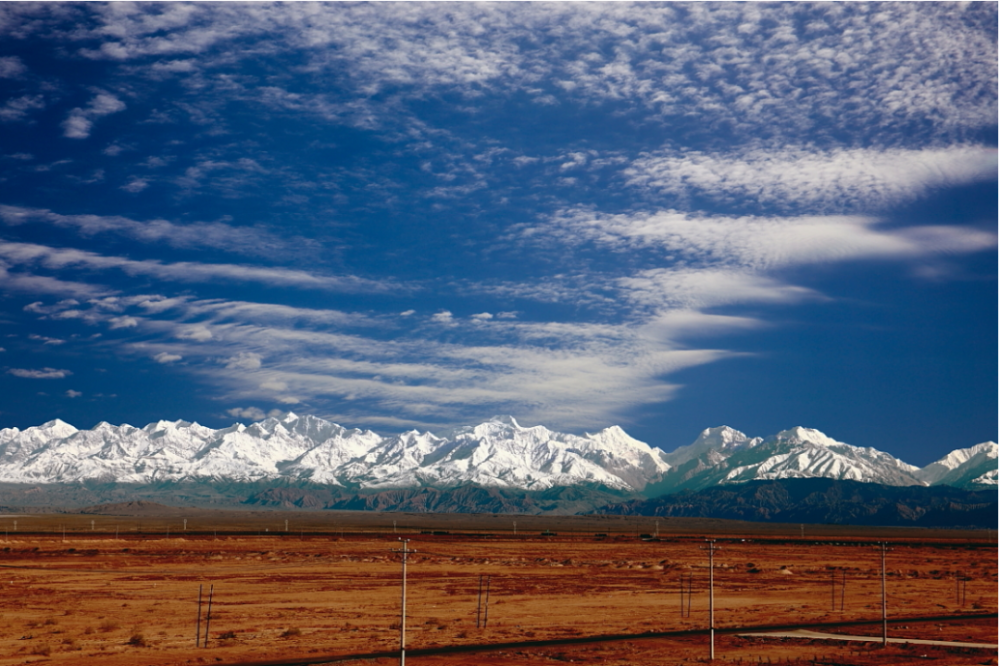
[
  {"x": 43, "y": 650},
  {"x": 108, "y": 625}
]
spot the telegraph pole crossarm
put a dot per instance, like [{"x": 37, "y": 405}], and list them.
[{"x": 405, "y": 550}]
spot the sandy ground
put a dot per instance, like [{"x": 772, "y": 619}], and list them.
[{"x": 90, "y": 599}]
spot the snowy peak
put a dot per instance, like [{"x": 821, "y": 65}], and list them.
[
  {"x": 972, "y": 468},
  {"x": 498, "y": 453},
  {"x": 800, "y": 435},
  {"x": 712, "y": 446}
]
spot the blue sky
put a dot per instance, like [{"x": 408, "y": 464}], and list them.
[{"x": 394, "y": 216}]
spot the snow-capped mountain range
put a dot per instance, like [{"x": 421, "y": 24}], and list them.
[{"x": 497, "y": 453}]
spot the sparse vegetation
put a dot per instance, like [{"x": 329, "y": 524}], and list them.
[{"x": 108, "y": 625}]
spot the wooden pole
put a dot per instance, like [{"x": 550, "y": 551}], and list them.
[
  {"x": 486, "y": 606},
  {"x": 197, "y": 624},
  {"x": 682, "y": 594},
  {"x": 405, "y": 550},
  {"x": 208, "y": 615},
  {"x": 885, "y": 621},
  {"x": 479, "y": 601},
  {"x": 711, "y": 548},
  {"x": 690, "y": 592}
]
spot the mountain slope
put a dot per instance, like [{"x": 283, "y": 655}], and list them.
[
  {"x": 829, "y": 501},
  {"x": 499, "y": 453},
  {"x": 974, "y": 468}
]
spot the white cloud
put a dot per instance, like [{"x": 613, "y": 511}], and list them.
[
  {"x": 11, "y": 67},
  {"x": 782, "y": 69},
  {"x": 244, "y": 361},
  {"x": 46, "y": 340},
  {"x": 59, "y": 258},
  {"x": 135, "y": 185},
  {"x": 443, "y": 317},
  {"x": 216, "y": 235},
  {"x": 198, "y": 333},
  {"x": 29, "y": 283},
  {"x": 761, "y": 243},
  {"x": 661, "y": 289},
  {"x": 19, "y": 108},
  {"x": 798, "y": 178},
  {"x": 274, "y": 386},
  {"x": 73, "y": 394},
  {"x": 123, "y": 322},
  {"x": 81, "y": 120},
  {"x": 44, "y": 373},
  {"x": 166, "y": 357},
  {"x": 251, "y": 413}
]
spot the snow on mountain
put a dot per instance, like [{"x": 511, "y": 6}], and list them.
[
  {"x": 987, "y": 481},
  {"x": 972, "y": 468},
  {"x": 497, "y": 453},
  {"x": 723, "y": 455}
]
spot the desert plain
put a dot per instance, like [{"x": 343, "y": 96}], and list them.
[{"x": 325, "y": 587}]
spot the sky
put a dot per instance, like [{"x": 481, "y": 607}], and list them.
[{"x": 667, "y": 217}]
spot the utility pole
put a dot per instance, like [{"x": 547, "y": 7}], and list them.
[
  {"x": 885, "y": 621},
  {"x": 405, "y": 550},
  {"x": 711, "y": 548},
  {"x": 197, "y": 624}
]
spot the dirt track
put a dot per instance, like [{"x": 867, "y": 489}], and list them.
[{"x": 124, "y": 602}]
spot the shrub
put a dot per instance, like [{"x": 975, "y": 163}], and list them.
[
  {"x": 137, "y": 640},
  {"x": 291, "y": 632},
  {"x": 108, "y": 625},
  {"x": 43, "y": 650}
]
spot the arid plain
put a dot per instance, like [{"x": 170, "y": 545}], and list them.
[{"x": 121, "y": 590}]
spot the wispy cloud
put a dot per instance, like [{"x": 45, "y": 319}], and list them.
[
  {"x": 44, "y": 373},
  {"x": 208, "y": 235},
  {"x": 19, "y": 108},
  {"x": 64, "y": 259},
  {"x": 760, "y": 243},
  {"x": 81, "y": 119},
  {"x": 807, "y": 179},
  {"x": 11, "y": 67}
]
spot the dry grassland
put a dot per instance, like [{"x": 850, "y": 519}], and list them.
[{"x": 90, "y": 598}]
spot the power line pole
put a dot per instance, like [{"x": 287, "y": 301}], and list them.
[
  {"x": 711, "y": 548},
  {"x": 885, "y": 620},
  {"x": 402, "y": 612}
]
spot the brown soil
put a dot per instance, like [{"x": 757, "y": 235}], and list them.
[{"x": 90, "y": 598}]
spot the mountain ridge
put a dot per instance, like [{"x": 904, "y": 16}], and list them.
[{"x": 496, "y": 453}]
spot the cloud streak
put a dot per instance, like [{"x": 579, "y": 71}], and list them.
[
  {"x": 72, "y": 259},
  {"x": 760, "y": 243},
  {"x": 197, "y": 235},
  {"x": 800, "y": 179}
]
